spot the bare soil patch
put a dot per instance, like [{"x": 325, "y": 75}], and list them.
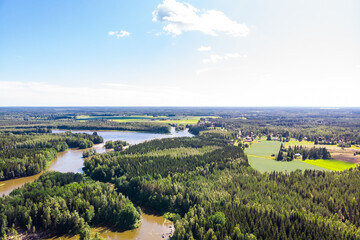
[{"x": 346, "y": 157}]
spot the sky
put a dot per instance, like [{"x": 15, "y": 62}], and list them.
[{"x": 180, "y": 53}]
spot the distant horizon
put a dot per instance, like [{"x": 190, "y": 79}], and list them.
[{"x": 313, "y": 107}]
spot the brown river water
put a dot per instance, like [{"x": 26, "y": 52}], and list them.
[{"x": 152, "y": 227}]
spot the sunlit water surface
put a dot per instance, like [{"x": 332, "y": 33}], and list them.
[{"x": 152, "y": 227}]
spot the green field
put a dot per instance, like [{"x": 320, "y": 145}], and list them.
[
  {"x": 264, "y": 148},
  {"x": 331, "y": 164},
  {"x": 145, "y": 118},
  {"x": 131, "y": 120},
  {"x": 355, "y": 147},
  {"x": 269, "y": 165},
  {"x": 259, "y": 155},
  {"x": 294, "y": 142},
  {"x": 184, "y": 120}
]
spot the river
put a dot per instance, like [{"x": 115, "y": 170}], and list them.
[{"x": 152, "y": 227}]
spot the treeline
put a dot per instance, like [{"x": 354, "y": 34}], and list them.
[
  {"x": 65, "y": 203},
  {"x": 61, "y": 141},
  {"x": 26, "y": 155},
  {"x": 72, "y": 140},
  {"x": 314, "y": 153},
  {"x": 321, "y": 129},
  {"x": 30, "y": 130},
  {"x": 224, "y": 198},
  {"x": 119, "y": 126},
  {"x": 88, "y": 125}
]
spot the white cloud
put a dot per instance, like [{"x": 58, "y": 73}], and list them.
[
  {"x": 204, "y": 48},
  {"x": 182, "y": 17},
  {"x": 119, "y": 34},
  {"x": 214, "y": 58}
]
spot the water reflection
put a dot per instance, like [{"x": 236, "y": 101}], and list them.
[{"x": 152, "y": 227}]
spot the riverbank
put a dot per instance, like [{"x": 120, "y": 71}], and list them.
[{"x": 153, "y": 227}]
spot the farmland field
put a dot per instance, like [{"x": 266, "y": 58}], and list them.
[
  {"x": 346, "y": 157},
  {"x": 270, "y": 165},
  {"x": 146, "y": 118},
  {"x": 294, "y": 142},
  {"x": 331, "y": 164},
  {"x": 342, "y": 158},
  {"x": 184, "y": 120},
  {"x": 259, "y": 155},
  {"x": 357, "y": 147},
  {"x": 264, "y": 148}
]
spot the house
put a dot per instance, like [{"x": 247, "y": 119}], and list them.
[{"x": 248, "y": 139}]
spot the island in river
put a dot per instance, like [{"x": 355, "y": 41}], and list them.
[{"x": 152, "y": 227}]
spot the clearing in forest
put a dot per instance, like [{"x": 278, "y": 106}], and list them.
[
  {"x": 343, "y": 158},
  {"x": 331, "y": 164},
  {"x": 259, "y": 155}
]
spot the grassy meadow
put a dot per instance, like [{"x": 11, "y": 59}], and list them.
[
  {"x": 259, "y": 155},
  {"x": 294, "y": 142},
  {"x": 331, "y": 164}
]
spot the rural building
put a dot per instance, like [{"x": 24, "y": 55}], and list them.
[{"x": 248, "y": 139}]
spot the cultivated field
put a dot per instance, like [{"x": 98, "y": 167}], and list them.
[
  {"x": 331, "y": 164},
  {"x": 346, "y": 157},
  {"x": 259, "y": 155},
  {"x": 145, "y": 118},
  {"x": 294, "y": 142},
  {"x": 338, "y": 153}
]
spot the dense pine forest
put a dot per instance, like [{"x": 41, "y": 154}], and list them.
[
  {"x": 65, "y": 204},
  {"x": 217, "y": 195},
  {"x": 26, "y": 155},
  {"x": 26, "y": 127}
]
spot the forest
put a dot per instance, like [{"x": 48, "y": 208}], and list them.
[
  {"x": 116, "y": 145},
  {"x": 65, "y": 203},
  {"x": 26, "y": 127},
  {"x": 26, "y": 155},
  {"x": 222, "y": 197}
]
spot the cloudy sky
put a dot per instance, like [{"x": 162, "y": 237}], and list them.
[{"x": 179, "y": 53}]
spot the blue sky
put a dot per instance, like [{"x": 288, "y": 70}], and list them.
[{"x": 179, "y": 53}]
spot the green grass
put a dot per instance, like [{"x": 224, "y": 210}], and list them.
[
  {"x": 259, "y": 155},
  {"x": 331, "y": 164},
  {"x": 130, "y": 120},
  {"x": 355, "y": 147},
  {"x": 294, "y": 142},
  {"x": 264, "y": 148},
  {"x": 268, "y": 165},
  {"x": 185, "y": 120}
]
